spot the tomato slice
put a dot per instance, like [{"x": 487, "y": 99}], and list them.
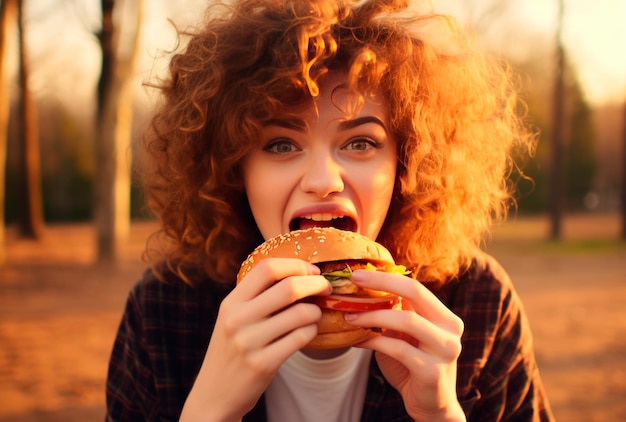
[{"x": 348, "y": 303}]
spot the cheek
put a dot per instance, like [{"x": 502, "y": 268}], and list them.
[
  {"x": 266, "y": 184},
  {"x": 375, "y": 193},
  {"x": 256, "y": 184},
  {"x": 381, "y": 187},
  {"x": 382, "y": 183},
  {"x": 265, "y": 189}
]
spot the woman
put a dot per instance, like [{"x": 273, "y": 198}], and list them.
[{"x": 282, "y": 115}]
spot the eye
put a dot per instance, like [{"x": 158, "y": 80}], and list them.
[
  {"x": 280, "y": 146},
  {"x": 362, "y": 144}
]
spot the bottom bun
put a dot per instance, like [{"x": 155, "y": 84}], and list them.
[
  {"x": 334, "y": 332},
  {"x": 342, "y": 339}
]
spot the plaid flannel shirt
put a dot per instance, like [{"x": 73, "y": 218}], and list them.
[{"x": 166, "y": 328}]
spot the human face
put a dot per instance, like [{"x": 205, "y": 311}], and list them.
[{"x": 324, "y": 168}]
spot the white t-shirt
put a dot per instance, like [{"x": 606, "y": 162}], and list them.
[{"x": 306, "y": 389}]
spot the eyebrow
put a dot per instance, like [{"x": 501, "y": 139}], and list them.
[
  {"x": 288, "y": 123},
  {"x": 350, "y": 124},
  {"x": 301, "y": 125}
]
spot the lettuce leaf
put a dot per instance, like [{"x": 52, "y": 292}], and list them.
[{"x": 346, "y": 273}]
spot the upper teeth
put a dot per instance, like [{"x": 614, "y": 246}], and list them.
[{"x": 322, "y": 216}]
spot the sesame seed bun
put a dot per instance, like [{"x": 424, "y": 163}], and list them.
[{"x": 324, "y": 245}]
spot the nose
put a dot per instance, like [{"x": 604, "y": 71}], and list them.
[{"x": 322, "y": 176}]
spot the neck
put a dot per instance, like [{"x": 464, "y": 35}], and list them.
[{"x": 324, "y": 354}]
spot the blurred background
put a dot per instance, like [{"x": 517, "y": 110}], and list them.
[
  {"x": 76, "y": 101},
  {"x": 73, "y": 105}
]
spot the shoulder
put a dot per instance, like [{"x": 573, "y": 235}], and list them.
[
  {"x": 497, "y": 342},
  {"x": 168, "y": 285},
  {"x": 160, "y": 344},
  {"x": 168, "y": 297},
  {"x": 487, "y": 271},
  {"x": 497, "y": 374},
  {"x": 172, "y": 318},
  {"x": 485, "y": 284},
  {"x": 496, "y": 325},
  {"x": 486, "y": 300}
]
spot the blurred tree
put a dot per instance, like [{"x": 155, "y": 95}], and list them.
[
  {"x": 8, "y": 24},
  {"x": 557, "y": 150},
  {"x": 31, "y": 221},
  {"x": 68, "y": 168},
  {"x": 623, "y": 192},
  {"x": 578, "y": 156},
  {"x": 581, "y": 161},
  {"x": 532, "y": 187},
  {"x": 113, "y": 132}
]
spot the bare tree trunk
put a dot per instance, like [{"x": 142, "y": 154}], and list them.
[
  {"x": 113, "y": 138},
  {"x": 104, "y": 148},
  {"x": 8, "y": 24},
  {"x": 31, "y": 216},
  {"x": 623, "y": 201},
  {"x": 557, "y": 185}
]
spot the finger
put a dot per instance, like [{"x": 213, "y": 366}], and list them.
[
  {"x": 421, "y": 332},
  {"x": 271, "y": 329},
  {"x": 413, "y": 359},
  {"x": 295, "y": 288},
  {"x": 275, "y": 298},
  {"x": 421, "y": 299},
  {"x": 281, "y": 349},
  {"x": 270, "y": 270},
  {"x": 425, "y": 367},
  {"x": 286, "y": 292}
]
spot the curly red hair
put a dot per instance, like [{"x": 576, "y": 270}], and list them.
[{"x": 453, "y": 111}]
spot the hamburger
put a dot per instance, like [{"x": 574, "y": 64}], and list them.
[{"x": 337, "y": 253}]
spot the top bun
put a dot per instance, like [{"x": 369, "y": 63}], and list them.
[{"x": 318, "y": 244}]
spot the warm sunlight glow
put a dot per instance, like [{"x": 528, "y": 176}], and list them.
[{"x": 594, "y": 35}]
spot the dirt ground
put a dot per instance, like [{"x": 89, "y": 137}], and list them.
[{"x": 59, "y": 313}]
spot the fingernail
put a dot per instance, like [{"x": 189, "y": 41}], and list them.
[
  {"x": 358, "y": 277},
  {"x": 349, "y": 317}
]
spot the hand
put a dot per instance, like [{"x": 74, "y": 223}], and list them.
[
  {"x": 259, "y": 325},
  {"x": 418, "y": 351}
]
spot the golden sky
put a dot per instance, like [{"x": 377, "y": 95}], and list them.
[{"x": 594, "y": 34}]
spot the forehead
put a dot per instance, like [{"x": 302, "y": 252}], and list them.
[
  {"x": 336, "y": 101},
  {"x": 334, "y": 90}
]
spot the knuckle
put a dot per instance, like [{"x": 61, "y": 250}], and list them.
[
  {"x": 285, "y": 291},
  {"x": 304, "y": 335},
  {"x": 459, "y": 325},
  {"x": 452, "y": 349},
  {"x": 408, "y": 319},
  {"x": 240, "y": 344},
  {"x": 230, "y": 327},
  {"x": 402, "y": 351},
  {"x": 257, "y": 365},
  {"x": 265, "y": 268},
  {"x": 455, "y": 349},
  {"x": 454, "y": 325},
  {"x": 231, "y": 323},
  {"x": 308, "y": 311}
]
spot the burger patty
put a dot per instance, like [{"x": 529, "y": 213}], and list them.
[
  {"x": 330, "y": 266},
  {"x": 344, "y": 286}
]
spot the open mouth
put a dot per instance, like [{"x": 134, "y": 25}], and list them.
[{"x": 342, "y": 223}]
